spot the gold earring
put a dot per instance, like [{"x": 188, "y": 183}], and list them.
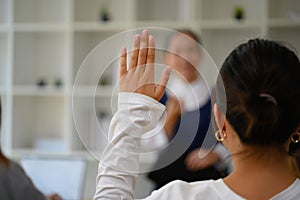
[
  {"x": 295, "y": 138},
  {"x": 220, "y": 135}
]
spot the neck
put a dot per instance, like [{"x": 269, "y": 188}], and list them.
[
  {"x": 258, "y": 171},
  {"x": 257, "y": 162}
]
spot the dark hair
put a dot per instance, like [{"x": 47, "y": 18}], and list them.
[{"x": 261, "y": 81}]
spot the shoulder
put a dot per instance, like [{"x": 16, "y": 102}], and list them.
[
  {"x": 210, "y": 189},
  {"x": 22, "y": 186},
  {"x": 15, "y": 168},
  {"x": 182, "y": 185},
  {"x": 182, "y": 190},
  {"x": 292, "y": 192}
]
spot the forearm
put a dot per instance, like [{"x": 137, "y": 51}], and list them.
[
  {"x": 119, "y": 163},
  {"x": 170, "y": 126}
]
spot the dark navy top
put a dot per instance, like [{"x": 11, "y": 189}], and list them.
[{"x": 189, "y": 134}]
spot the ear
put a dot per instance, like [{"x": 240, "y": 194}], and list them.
[{"x": 219, "y": 117}]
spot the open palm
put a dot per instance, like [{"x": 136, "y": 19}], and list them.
[{"x": 139, "y": 76}]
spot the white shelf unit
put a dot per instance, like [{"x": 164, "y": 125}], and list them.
[
  {"x": 4, "y": 12},
  {"x": 221, "y": 32},
  {"x": 118, "y": 11},
  {"x": 39, "y": 56},
  {"x": 288, "y": 10},
  {"x": 84, "y": 42},
  {"x": 35, "y": 121},
  {"x": 47, "y": 40},
  {"x": 40, "y": 11},
  {"x": 5, "y": 19},
  {"x": 229, "y": 38},
  {"x": 288, "y": 34},
  {"x": 284, "y": 22},
  {"x": 224, "y": 10},
  {"x": 156, "y": 10},
  {"x": 3, "y": 62}
]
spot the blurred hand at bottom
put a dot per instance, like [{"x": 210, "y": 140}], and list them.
[
  {"x": 194, "y": 162},
  {"x": 54, "y": 197}
]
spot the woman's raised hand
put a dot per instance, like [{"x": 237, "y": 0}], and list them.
[{"x": 139, "y": 77}]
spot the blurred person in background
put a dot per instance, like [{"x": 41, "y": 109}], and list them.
[
  {"x": 14, "y": 183},
  {"x": 188, "y": 100},
  {"x": 257, "y": 114}
]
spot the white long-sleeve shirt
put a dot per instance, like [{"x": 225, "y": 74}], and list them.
[{"x": 119, "y": 163}]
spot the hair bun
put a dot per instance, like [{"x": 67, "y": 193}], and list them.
[
  {"x": 268, "y": 98},
  {"x": 263, "y": 115},
  {"x": 263, "y": 108}
]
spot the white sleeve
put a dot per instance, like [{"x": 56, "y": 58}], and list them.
[
  {"x": 119, "y": 163},
  {"x": 156, "y": 138}
]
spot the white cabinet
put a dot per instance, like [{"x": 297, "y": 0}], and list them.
[
  {"x": 97, "y": 10},
  {"x": 288, "y": 10},
  {"x": 44, "y": 42},
  {"x": 5, "y": 13},
  {"x": 40, "y": 11},
  {"x": 284, "y": 22},
  {"x": 39, "y": 56},
  {"x": 228, "y": 38},
  {"x": 225, "y": 10},
  {"x": 38, "y": 119},
  {"x": 3, "y": 61},
  {"x": 157, "y": 10}
]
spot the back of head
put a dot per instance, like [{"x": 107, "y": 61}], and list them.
[{"x": 261, "y": 80}]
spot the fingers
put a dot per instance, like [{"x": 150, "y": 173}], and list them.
[
  {"x": 195, "y": 166},
  {"x": 123, "y": 62},
  {"x": 143, "y": 48},
  {"x": 135, "y": 52},
  {"x": 143, "y": 54},
  {"x": 189, "y": 161},
  {"x": 160, "y": 88},
  {"x": 193, "y": 162},
  {"x": 150, "y": 58}
]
